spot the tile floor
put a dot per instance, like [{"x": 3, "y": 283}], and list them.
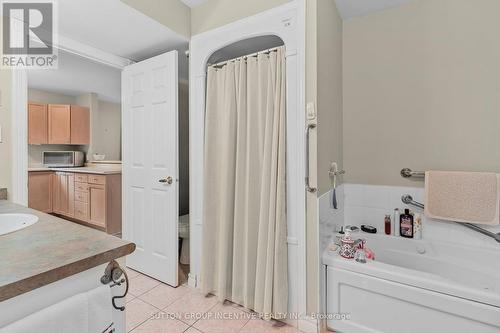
[{"x": 154, "y": 307}]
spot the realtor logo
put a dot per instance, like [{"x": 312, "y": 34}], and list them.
[{"x": 28, "y": 33}]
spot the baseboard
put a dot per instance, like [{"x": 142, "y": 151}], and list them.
[{"x": 308, "y": 325}]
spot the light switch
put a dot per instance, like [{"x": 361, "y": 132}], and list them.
[{"x": 311, "y": 112}]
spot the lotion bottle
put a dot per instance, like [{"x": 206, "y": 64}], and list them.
[{"x": 406, "y": 224}]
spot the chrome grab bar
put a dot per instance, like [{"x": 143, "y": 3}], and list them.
[
  {"x": 308, "y": 133},
  {"x": 407, "y": 173},
  {"x": 408, "y": 199}
]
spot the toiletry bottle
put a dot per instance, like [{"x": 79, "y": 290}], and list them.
[
  {"x": 387, "y": 225},
  {"x": 417, "y": 226},
  {"x": 395, "y": 226},
  {"x": 406, "y": 224},
  {"x": 338, "y": 236}
]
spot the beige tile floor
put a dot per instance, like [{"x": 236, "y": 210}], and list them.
[{"x": 154, "y": 307}]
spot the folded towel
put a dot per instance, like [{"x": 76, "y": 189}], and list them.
[
  {"x": 100, "y": 310},
  {"x": 89, "y": 312},
  {"x": 70, "y": 315},
  {"x": 468, "y": 197}
]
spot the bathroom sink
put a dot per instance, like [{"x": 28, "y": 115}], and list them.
[{"x": 15, "y": 222}]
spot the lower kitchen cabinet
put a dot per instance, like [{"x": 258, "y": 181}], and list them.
[
  {"x": 40, "y": 191},
  {"x": 91, "y": 199}
]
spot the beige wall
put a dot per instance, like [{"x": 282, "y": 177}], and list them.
[
  {"x": 108, "y": 135},
  {"x": 329, "y": 90},
  {"x": 46, "y": 97},
  {"x": 173, "y": 14},
  {"x": 421, "y": 90},
  {"x": 5, "y": 123},
  {"x": 216, "y": 13}
]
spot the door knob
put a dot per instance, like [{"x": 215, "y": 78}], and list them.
[{"x": 169, "y": 180}]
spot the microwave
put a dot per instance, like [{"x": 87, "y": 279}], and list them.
[{"x": 63, "y": 159}]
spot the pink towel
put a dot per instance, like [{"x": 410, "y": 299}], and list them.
[{"x": 468, "y": 197}]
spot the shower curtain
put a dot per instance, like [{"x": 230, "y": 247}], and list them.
[{"x": 244, "y": 257}]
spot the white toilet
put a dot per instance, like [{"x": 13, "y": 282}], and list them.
[{"x": 184, "y": 235}]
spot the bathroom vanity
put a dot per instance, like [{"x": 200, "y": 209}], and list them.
[{"x": 51, "y": 261}]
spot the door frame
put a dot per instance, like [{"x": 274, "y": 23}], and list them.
[
  {"x": 288, "y": 23},
  {"x": 19, "y": 108}
]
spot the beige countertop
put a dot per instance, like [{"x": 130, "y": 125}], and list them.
[
  {"x": 100, "y": 170},
  {"x": 50, "y": 250}
]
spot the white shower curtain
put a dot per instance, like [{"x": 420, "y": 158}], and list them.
[{"x": 244, "y": 255}]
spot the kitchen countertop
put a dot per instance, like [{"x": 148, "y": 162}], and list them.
[
  {"x": 100, "y": 170},
  {"x": 50, "y": 250}
]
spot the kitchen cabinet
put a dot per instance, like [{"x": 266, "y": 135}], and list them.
[
  {"x": 97, "y": 201},
  {"x": 37, "y": 124},
  {"x": 59, "y": 124},
  {"x": 80, "y": 125},
  {"x": 63, "y": 191},
  {"x": 40, "y": 191},
  {"x": 91, "y": 199}
]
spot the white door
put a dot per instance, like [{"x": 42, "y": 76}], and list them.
[{"x": 150, "y": 165}]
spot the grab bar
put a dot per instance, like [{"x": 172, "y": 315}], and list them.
[
  {"x": 408, "y": 199},
  {"x": 407, "y": 173},
  {"x": 308, "y": 133}
]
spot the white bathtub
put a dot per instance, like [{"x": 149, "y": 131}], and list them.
[{"x": 414, "y": 286}]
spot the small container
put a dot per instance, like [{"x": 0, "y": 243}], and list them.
[
  {"x": 338, "y": 236},
  {"x": 417, "y": 226},
  {"x": 348, "y": 247},
  {"x": 395, "y": 225},
  {"x": 387, "y": 225},
  {"x": 406, "y": 224}
]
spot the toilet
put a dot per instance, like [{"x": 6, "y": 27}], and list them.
[{"x": 184, "y": 235}]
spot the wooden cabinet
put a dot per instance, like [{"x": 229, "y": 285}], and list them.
[
  {"x": 90, "y": 199},
  {"x": 63, "y": 192},
  {"x": 59, "y": 124},
  {"x": 97, "y": 202},
  {"x": 40, "y": 191},
  {"x": 37, "y": 124},
  {"x": 80, "y": 125}
]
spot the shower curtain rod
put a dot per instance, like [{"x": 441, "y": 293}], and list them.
[{"x": 220, "y": 64}]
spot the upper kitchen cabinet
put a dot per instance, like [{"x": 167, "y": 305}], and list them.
[
  {"x": 37, "y": 124},
  {"x": 59, "y": 124},
  {"x": 80, "y": 125},
  {"x": 67, "y": 124}
]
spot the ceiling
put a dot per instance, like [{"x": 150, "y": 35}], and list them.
[
  {"x": 353, "y": 8},
  {"x": 113, "y": 27},
  {"x": 193, "y": 3},
  {"x": 77, "y": 76}
]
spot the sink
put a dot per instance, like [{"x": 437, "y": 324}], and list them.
[{"x": 15, "y": 222}]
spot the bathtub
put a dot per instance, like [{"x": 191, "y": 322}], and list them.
[{"x": 414, "y": 286}]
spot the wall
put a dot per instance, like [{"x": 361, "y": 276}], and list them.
[
  {"x": 173, "y": 14},
  {"x": 183, "y": 149},
  {"x": 5, "y": 123},
  {"x": 421, "y": 90},
  {"x": 329, "y": 90},
  {"x": 108, "y": 136},
  {"x": 216, "y": 13}
]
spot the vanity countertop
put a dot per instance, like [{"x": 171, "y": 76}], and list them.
[
  {"x": 100, "y": 170},
  {"x": 50, "y": 250}
]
